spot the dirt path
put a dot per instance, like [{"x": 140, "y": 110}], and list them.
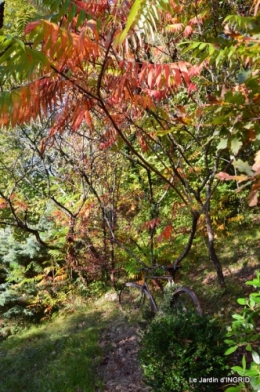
[{"x": 120, "y": 368}]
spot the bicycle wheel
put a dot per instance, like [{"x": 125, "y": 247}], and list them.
[
  {"x": 185, "y": 300},
  {"x": 134, "y": 298}
]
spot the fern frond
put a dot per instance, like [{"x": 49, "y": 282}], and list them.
[
  {"x": 34, "y": 266},
  {"x": 24, "y": 20},
  {"x": 56, "y": 254}
]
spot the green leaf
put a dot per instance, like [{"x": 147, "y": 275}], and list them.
[
  {"x": 237, "y": 317},
  {"x": 234, "y": 389},
  {"x": 130, "y": 20},
  {"x": 256, "y": 357},
  {"x": 244, "y": 362},
  {"x": 236, "y": 98},
  {"x": 242, "y": 301},
  {"x": 243, "y": 76},
  {"x": 222, "y": 144},
  {"x": 81, "y": 18},
  {"x": 211, "y": 49},
  {"x": 231, "y": 350},
  {"x": 257, "y": 300},
  {"x": 219, "y": 120},
  {"x": 239, "y": 370},
  {"x": 235, "y": 145},
  {"x": 72, "y": 13},
  {"x": 203, "y": 45},
  {"x": 166, "y": 131},
  {"x": 219, "y": 57},
  {"x": 251, "y": 373},
  {"x": 254, "y": 282},
  {"x": 229, "y": 341},
  {"x": 243, "y": 167}
]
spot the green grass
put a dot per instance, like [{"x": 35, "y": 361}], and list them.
[{"x": 60, "y": 356}]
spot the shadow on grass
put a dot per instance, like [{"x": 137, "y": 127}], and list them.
[
  {"x": 239, "y": 255},
  {"x": 58, "y": 357}
]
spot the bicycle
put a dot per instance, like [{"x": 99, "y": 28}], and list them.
[{"x": 134, "y": 295}]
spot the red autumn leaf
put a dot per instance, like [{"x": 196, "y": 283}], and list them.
[
  {"x": 88, "y": 120},
  {"x": 187, "y": 31},
  {"x": 167, "y": 232},
  {"x": 167, "y": 72},
  {"x": 150, "y": 76},
  {"x": 78, "y": 118},
  {"x": 31, "y": 26},
  {"x": 158, "y": 75},
  {"x": 191, "y": 87},
  {"x": 177, "y": 77},
  {"x": 142, "y": 73},
  {"x": 152, "y": 223}
]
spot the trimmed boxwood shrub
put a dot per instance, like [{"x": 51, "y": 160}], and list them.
[{"x": 176, "y": 350}]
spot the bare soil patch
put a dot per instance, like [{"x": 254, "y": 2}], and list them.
[{"x": 120, "y": 368}]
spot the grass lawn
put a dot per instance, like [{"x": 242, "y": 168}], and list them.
[{"x": 60, "y": 356}]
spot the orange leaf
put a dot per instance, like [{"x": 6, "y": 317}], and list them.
[
  {"x": 48, "y": 309},
  {"x": 256, "y": 165},
  {"x": 88, "y": 120},
  {"x": 252, "y": 198},
  {"x": 225, "y": 176}
]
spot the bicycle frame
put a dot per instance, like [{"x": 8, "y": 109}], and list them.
[
  {"x": 145, "y": 287},
  {"x": 178, "y": 292}
]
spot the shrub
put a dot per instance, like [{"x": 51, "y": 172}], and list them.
[
  {"x": 178, "y": 349},
  {"x": 243, "y": 335}
]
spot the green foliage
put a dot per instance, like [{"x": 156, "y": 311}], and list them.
[
  {"x": 243, "y": 333},
  {"x": 144, "y": 16},
  {"x": 176, "y": 349},
  {"x": 27, "y": 290},
  {"x": 95, "y": 289},
  {"x": 17, "y": 14}
]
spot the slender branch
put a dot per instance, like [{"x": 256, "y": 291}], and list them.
[{"x": 195, "y": 218}]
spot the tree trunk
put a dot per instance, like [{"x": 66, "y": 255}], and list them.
[{"x": 212, "y": 252}]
